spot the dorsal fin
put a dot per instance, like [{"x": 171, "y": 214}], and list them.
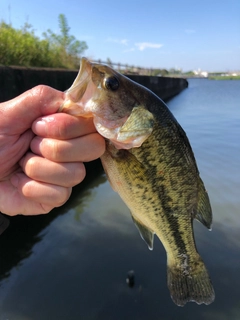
[
  {"x": 146, "y": 234},
  {"x": 204, "y": 211}
]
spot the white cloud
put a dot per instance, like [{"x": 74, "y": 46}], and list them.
[
  {"x": 124, "y": 42},
  {"x": 120, "y": 41},
  {"x": 137, "y": 46},
  {"x": 144, "y": 45}
]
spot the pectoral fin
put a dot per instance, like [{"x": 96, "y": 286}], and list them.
[
  {"x": 146, "y": 234},
  {"x": 137, "y": 128},
  {"x": 204, "y": 211}
]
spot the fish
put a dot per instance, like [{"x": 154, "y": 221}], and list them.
[{"x": 150, "y": 163}]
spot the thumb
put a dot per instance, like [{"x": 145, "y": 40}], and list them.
[{"x": 20, "y": 112}]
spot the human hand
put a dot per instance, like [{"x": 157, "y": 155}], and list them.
[{"x": 42, "y": 152}]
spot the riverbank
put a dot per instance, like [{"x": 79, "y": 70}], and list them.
[
  {"x": 16, "y": 80},
  {"x": 224, "y": 78}
]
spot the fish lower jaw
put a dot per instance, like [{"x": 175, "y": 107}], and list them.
[
  {"x": 76, "y": 109},
  {"x": 108, "y": 133},
  {"x": 117, "y": 139}
]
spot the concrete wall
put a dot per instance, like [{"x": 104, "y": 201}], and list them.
[
  {"x": 16, "y": 80},
  {"x": 163, "y": 87}
]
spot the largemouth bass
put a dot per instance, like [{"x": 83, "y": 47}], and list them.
[{"x": 150, "y": 163}]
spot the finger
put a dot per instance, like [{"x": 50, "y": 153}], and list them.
[
  {"x": 82, "y": 149},
  {"x": 32, "y": 104},
  {"x": 44, "y": 170},
  {"x": 63, "y": 126},
  {"x": 12, "y": 201},
  {"x": 11, "y": 153},
  {"x": 44, "y": 194}
]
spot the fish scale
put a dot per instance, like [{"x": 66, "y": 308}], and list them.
[
  {"x": 150, "y": 163},
  {"x": 171, "y": 228}
]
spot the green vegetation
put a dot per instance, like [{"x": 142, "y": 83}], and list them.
[
  {"x": 189, "y": 74},
  {"x": 160, "y": 72},
  {"x": 224, "y": 77},
  {"x": 21, "y": 47}
]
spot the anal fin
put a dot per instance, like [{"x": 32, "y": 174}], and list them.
[
  {"x": 146, "y": 234},
  {"x": 204, "y": 211}
]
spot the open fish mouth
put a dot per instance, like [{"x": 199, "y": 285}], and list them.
[
  {"x": 73, "y": 100},
  {"x": 78, "y": 87},
  {"x": 88, "y": 97}
]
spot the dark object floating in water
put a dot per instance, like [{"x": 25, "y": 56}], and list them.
[{"x": 130, "y": 278}]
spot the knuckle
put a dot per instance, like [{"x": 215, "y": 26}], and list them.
[
  {"x": 55, "y": 153},
  {"x": 62, "y": 129},
  {"x": 28, "y": 190},
  {"x": 52, "y": 149},
  {"x": 47, "y": 97},
  {"x": 41, "y": 90},
  {"x": 31, "y": 168}
]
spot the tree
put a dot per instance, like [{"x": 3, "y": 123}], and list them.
[
  {"x": 70, "y": 47},
  {"x": 109, "y": 62},
  {"x": 23, "y": 48},
  {"x": 160, "y": 72}
]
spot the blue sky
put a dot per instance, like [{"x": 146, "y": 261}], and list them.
[{"x": 186, "y": 34}]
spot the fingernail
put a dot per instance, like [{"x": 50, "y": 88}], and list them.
[
  {"x": 47, "y": 119},
  {"x": 40, "y": 125}
]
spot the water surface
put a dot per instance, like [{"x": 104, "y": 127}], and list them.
[{"x": 72, "y": 263}]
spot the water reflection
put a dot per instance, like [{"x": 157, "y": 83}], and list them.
[
  {"x": 25, "y": 231},
  {"x": 79, "y": 267},
  {"x": 73, "y": 263}
]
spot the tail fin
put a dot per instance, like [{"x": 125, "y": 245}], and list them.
[{"x": 190, "y": 283}]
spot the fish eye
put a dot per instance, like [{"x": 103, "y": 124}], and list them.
[{"x": 111, "y": 83}]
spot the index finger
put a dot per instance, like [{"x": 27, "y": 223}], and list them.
[
  {"x": 63, "y": 126},
  {"x": 18, "y": 114}
]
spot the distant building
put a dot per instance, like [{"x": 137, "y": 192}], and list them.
[{"x": 200, "y": 73}]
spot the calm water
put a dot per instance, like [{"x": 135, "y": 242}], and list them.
[{"x": 73, "y": 263}]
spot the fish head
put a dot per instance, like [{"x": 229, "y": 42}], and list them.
[{"x": 114, "y": 103}]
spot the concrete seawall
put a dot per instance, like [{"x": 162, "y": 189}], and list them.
[
  {"x": 16, "y": 80},
  {"x": 164, "y": 87}
]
